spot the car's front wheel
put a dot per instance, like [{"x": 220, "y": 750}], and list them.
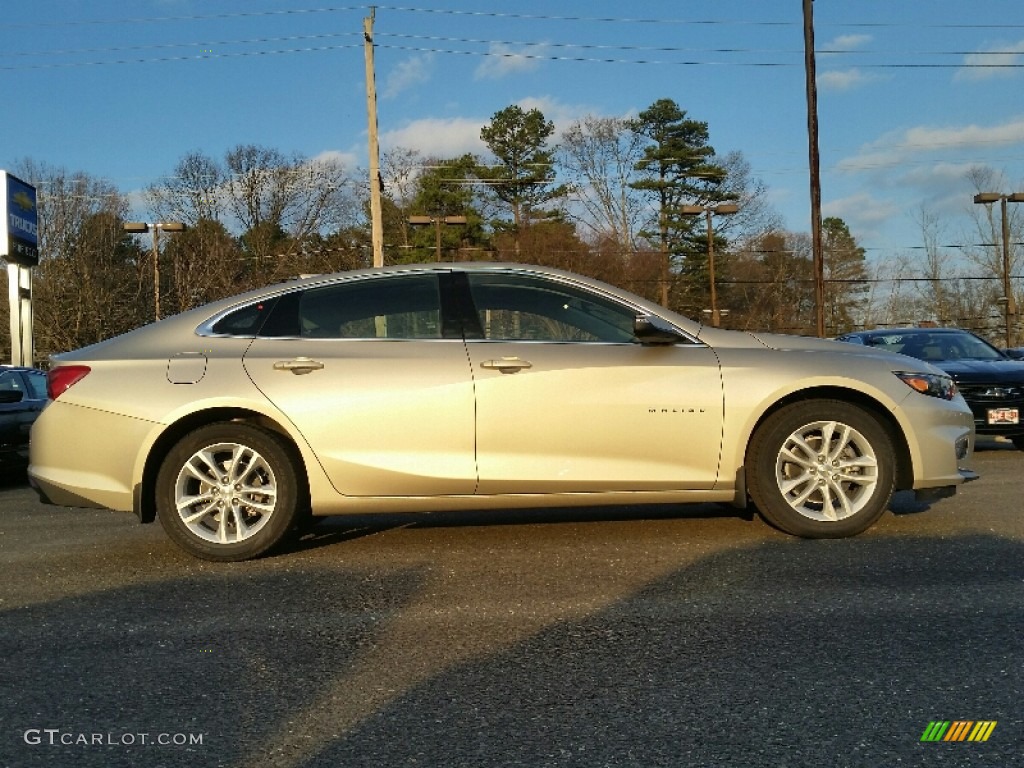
[
  {"x": 821, "y": 469},
  {"x": 228, "y": 492}
]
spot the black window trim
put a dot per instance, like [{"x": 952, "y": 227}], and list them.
[{"x": 686, "y": 338}]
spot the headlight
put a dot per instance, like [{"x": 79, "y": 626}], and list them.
[{"x": 933, "y": 384}]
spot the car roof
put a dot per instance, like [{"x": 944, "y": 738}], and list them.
[
  {"x": 4, "y": 367},
  {"x": 906, "y": 331}
]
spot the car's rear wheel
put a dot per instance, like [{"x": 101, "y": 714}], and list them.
[
  {"x": 821, "y": 469},
  {"x": 1018, "y": 442},
  {"x": 228, "y": 492}
]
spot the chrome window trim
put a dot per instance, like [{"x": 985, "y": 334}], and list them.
[{"x": 204, "y": 329}]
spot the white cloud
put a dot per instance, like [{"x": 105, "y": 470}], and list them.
[
  {"x": 347, "y": 160},
  {"x": 843, "y": 80},
  {"x": 438, "y": 137},
  {"x": 560, "y": 113},
  {"x": 453, "y": 136},
  {"x": 1000, "y": 60},
  {"x": 847, "y": 43},
  {"x": 898, "y": 147},
  {"x": 935, "y": 175},
  {"x": 862, "y": 208},
  {"x": 407, "y": 74},
  {"x": 503, "y": 60}
]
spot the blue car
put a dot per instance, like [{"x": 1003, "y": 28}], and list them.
[
  {"x": 991, "y": 381},
  {"x": 22, "y": 397}
]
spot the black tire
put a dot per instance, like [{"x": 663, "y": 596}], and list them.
[
  {"x": 249, "y": 507},
  {"x": 1018, "y": 442},
  {"x": 805, "y": 493}
]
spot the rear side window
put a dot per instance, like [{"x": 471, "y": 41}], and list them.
[
  {"x": 246, "y": 321},
  {"x": 401, "y": 307}
]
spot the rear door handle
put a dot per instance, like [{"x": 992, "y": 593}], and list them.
[
  {"x": 507, "y": 364},
  {"x": 299, "y": 365}
]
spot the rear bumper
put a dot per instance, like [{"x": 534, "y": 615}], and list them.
[
  {"x": 51, "y": 493},
  {"x": 81, "y": 457}
]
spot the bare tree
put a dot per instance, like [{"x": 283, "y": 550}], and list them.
[
  {"x": 987, "y": 253},
  {"x": 92, "y": 281},
  {"x": 936, "y": 291},
  {"x": 889, "y": 296},
  {"x": 597, "y": 156},
  {"x": 192, "y": 193},
  {"x": 399, "y": 169}
]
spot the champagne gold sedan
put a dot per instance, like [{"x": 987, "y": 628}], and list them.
[{"x": 481, "y": 386}]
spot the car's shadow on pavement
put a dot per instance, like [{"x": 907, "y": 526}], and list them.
[
  {"x": 770, "y": 653},
  {"x": 326, "y": 531}
]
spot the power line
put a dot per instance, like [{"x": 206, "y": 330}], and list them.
[
  {"x": 161, "y": 46},
  {"x": 196, "y": 57},
  {"x": 164, "y": 19},
  {"x": 694, "y": 22}
]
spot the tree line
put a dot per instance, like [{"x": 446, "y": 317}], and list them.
[{"x": 612, "y": 198}]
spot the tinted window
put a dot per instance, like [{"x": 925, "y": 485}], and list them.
[
  {"x": 245, "y": 321},
  {"x": 11, "y": 382},
  {"x": 37, "y": 385},
  {"x": 402, "y": 307},
  {"x": 524, "y": 308},
  {"x": 936, "y": 346}
]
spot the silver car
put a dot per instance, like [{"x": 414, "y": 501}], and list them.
[{"x": 481, "y": 386}]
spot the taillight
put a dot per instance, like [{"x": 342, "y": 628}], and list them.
[{"x": 59, "y": 379}]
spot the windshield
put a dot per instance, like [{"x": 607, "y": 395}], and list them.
[{"x": 936, "y": 346}]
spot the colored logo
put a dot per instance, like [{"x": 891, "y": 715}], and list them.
[
  {"x": 24, "y": 201},
  {"x": 958, "y": 730}
]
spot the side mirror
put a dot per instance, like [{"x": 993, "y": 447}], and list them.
[
  {"x": 650, "y": 329},
  {"x": 11, "y": 396},
  {"x": 1016, "y": 353}
]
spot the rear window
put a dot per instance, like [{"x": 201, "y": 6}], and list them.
[{"x": 36, "y": 384}]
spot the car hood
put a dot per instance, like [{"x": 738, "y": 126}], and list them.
[
  {"x": 785, "y": 341},
  {"x": 892, "y": 360},
  {"x": 988, "y": 371}
]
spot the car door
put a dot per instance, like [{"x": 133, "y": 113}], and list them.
[
  {"x": 366, "y": 371},
  {"x": 568, "y": 401}
]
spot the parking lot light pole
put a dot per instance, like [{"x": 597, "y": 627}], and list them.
[
  {"x": 437, "y": 221},
  {"x": 1008, "y": 301},
  {"x": 141, "y": 227},
  {"x": 722, "y": 209}
]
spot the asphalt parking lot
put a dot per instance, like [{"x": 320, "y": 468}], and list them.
[{"x": 598, "y": 637}]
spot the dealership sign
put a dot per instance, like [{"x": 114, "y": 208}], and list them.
[{"x": 19, "y": 229}]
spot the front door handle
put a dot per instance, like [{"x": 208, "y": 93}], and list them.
[
  {"x": 507, "y": 364},
  {"x": 299, "y": 365}
]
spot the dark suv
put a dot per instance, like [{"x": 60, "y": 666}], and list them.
[
  {"x": 991, "y": 381},
  {"x": 22, "y": 397}
]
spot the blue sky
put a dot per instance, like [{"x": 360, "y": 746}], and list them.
[{"x": 911, "y": 94}]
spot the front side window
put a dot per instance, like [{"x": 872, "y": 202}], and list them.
[
  {"x": 10, "y": 382},
  {"x": 526, "y": 308}
]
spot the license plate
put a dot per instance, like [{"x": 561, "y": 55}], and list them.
[{"x": 1003, "y": 416}]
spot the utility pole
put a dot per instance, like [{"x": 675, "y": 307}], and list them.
[
  {"x": 376, "y": 223},
  {"x": 812, "y": 146}
]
